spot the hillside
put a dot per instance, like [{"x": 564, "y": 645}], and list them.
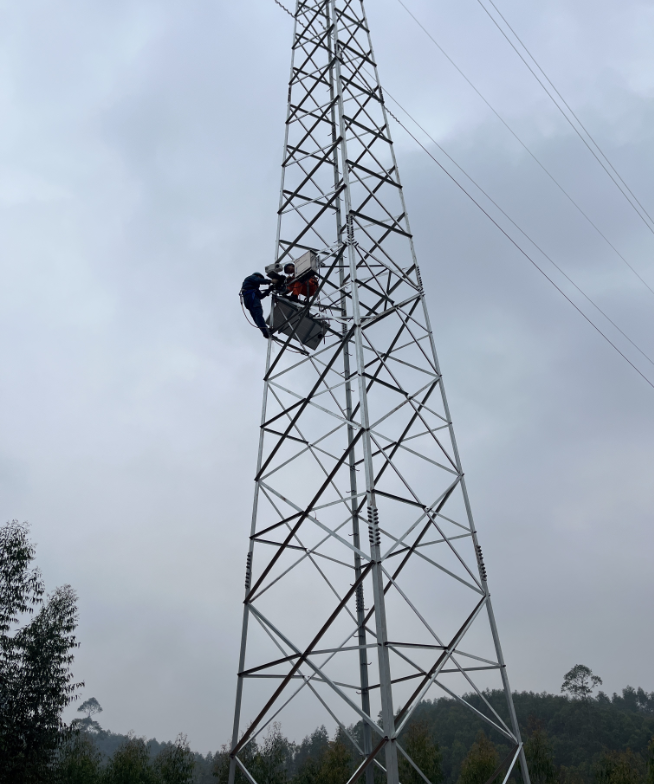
[{"x": 576, "y": 733}]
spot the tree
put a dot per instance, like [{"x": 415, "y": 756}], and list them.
[
  {"x": 175, "y": 763},
  {"x": 79, "y": 762},
  {"x": 131, "y": 764},
  {"x": 91, "y": 707},
  {"x": 270, "y": 763},
  {"x": 650, "y": 762},
  {"x": 423, "y": 751},
  {"x": 540, "y": 757},
  {"x": 481, "y": 762},
  {"x": 619, "y": 767},
  {"x": 336, "y": 765},
  {"x": 36, "y": 682},
  {"x": 579, "y": 682}
]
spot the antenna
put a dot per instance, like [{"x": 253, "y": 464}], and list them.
[{"x": 365, "y": 586}]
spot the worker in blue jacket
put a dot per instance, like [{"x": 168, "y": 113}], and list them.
[{"x": 252, "y": 296}]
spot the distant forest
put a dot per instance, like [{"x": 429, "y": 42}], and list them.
[
  {"x": 590, "y": 740},
  {"x": 572, "y": 738}
]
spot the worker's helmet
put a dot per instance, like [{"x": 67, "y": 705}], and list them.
[{"x": 289, "y": 269}]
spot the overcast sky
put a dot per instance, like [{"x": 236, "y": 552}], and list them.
[{"x": 140, "y": 145}]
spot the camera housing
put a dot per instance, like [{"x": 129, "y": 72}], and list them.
[{"x": 306, "y": 264}]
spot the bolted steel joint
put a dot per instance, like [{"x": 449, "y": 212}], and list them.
[
  {"x": 373, "y": 526},
  {"x": 248, "y": 571},
  {"x": 360, "y": 605},
  {"x": 480, "y": 561}
]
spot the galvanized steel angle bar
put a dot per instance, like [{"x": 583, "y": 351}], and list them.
[
  {"x": 279, "y": 544},
  {"x": 245, "y": 771},
  {"x": 299, "y": 110},
  {"x": 346, "y": 501},
  {"x": 315, "y": 521},
  {"x": 385, "y": 178},
  {"x": 478, "y": 588},
  {"x": 304, "y": 658},
  {"x": 433, "y": 509},
  {"x": 304, "y": 514},
  {"x": 271, "y": 376},
  {"x": 308, "y": 134},
  {"x": 413, "y": 764},
  {"x": 459, "y": 652},
  {"x": 415, "y": 551},
  {"x": 307, "y": 681},
  {"x": 359, "y": 53},
  {"x": 397, "y": 471},
  {"x": 413, "y": 342},
  {"x": 481, "y": 715},
  {"x": 429, "y": 544},
  {"x": 289, "y": 569},
  {"x": 309, "y": 401},
  {"x": 302, "y": 407},
  {"x": 405, "y": 402},
  {"x": 405, "y": 714},
  {"x": 342, "y": 14},
  {"x": 392, "y": 347},
  {"x": 375, "y": 131},
  {"x": 313, "y": 446},
  {"x": 413, "y": 452},
  {"x": 429, "y": 372},
  {"x": 304, "y": 231},
  {"x": 309, "y": 444},
  {"x": 418, "y": 411},
  {"x": 306, "y": 202},
  {"x": 309, "y": 178},
  {"x": 462, "y": 561},
  {"x": 405, "y": 431},
  {"x": 464, "y": 672},
  {"x": 301, "y": 77}
]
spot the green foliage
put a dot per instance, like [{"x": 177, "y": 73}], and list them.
[
  {"x": 79, "y": 761},
  {"x": 90, "y": 707},
  {"x": 268, "y": 763},
  {"x": 175, "y": 763},
  {"x": 540, "y": 756},
  {"x": 620, "y": 767},
  {"x": 131, "y": 764},
  {"x": 418, "y": 744},
  {"x": 308, "y": 756},
  {"x": 35, "y": 658},
  {"x": 579, "y": 682},
  {"x": 567, "y": 741},
  {"x": 481, "y": 762},
  {"x": 578, "y": 731},
  {"x": 336, "y": 764}
]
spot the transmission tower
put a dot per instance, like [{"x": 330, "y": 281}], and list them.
[{"x": 365, "y": 588}]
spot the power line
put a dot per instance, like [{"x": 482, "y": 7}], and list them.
[
  {"x": 519, "y": 140},
  {"x": 524, "y": 233},
  {"x": 628, "y": 194},
  {"x": 570, "y": 110},
  {"x": 521, "y": 250},
  {"x": 284, "y": 8},
  {"x": 510, "y": 238}
]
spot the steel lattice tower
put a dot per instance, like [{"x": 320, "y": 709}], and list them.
[{"x": 357, "y": 435}]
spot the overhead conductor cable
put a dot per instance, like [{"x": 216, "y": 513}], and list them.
[
  {"x": 509, "y": 237},
  {"x": 628, "y": 194},
  {"x": 510, "y": 219},
  {"x": 525, "y": 147},
  {"x": 522, "y": 251}
]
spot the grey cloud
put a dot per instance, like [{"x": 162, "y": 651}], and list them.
[{"x": 140, "y": 161}]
